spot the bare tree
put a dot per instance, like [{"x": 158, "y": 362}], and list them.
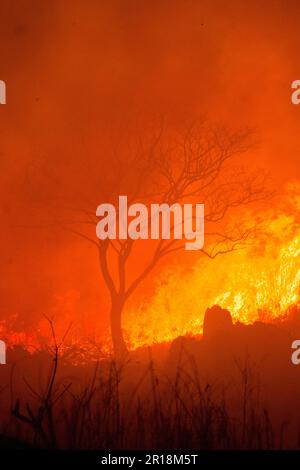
[{"x": 165, "y": 168}]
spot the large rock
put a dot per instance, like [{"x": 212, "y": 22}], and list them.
[{"x": 217, "y": 321}]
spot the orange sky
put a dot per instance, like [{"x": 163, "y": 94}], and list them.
[{"x": 74, "y": 68}]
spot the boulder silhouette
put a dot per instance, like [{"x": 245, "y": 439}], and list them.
[{"x": 217, "y": 321}]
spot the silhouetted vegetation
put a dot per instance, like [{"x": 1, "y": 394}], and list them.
[{"x": 212, "y": 393}]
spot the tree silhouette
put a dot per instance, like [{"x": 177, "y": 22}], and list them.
[{"x": 156, "y": 166}]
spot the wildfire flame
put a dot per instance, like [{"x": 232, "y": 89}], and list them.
[{"x": 260, "y": 282}]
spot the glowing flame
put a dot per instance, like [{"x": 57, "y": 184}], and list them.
[
  {"x": 257, "y": 283},
  {"x": 260, "y": 282}
]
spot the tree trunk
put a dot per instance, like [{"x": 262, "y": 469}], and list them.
[{"x": 119, "y": 345}]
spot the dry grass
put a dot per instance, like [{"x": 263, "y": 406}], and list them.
[{"x": 117, "y": 408}]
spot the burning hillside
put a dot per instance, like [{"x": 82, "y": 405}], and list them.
[{"x": 256, "y": 282}]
